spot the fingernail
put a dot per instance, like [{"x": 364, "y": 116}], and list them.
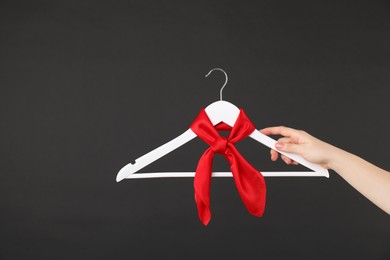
[{"x": 279, "y": 145}]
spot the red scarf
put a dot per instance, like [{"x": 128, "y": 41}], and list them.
[{"x": 249, "y": 182}]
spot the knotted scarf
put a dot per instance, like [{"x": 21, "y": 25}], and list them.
[{"x": 249, "y": 182}]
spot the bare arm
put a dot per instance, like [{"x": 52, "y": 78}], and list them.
[{"x": 370, "y": 180}]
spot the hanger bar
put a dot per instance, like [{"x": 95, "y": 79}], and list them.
[{"x": 220, "y": 174}]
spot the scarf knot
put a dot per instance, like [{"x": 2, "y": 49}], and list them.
[{"x": 220, "y": 145}]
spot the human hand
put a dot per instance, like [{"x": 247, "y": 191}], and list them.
[
  {"x": 370, "y": 180},
  {"x": 302, "y": 143}
]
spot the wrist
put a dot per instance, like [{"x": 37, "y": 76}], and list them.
[{"x": 335, "y": 158}]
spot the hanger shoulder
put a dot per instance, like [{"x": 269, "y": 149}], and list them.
[
  {"x": 268, "y": 141},
  {"x": 222, "y": 111},
  {"x": 155, "y": 154}
]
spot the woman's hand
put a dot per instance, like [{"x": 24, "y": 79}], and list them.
[
  {"x": 370, "y": 180},
  {"x": 302, "y": 143}
]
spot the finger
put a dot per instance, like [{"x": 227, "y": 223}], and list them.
[
  {"x": 285, "y": 140},
  {"x": 280, "y": 130},
  {"x": 274, "y": 155},
  {"x": 289, "y": 147},
  {"x": 286, "y": 159}
]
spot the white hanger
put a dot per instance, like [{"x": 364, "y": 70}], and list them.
[{"x": 219, "y": 111}]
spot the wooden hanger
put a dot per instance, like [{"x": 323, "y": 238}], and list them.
[{"x": 219, "y": 111}]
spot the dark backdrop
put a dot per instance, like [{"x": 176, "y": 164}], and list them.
[{"x": 88, "y": 86}]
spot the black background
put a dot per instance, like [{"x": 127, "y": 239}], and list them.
[{"x": 88, "y": 86}]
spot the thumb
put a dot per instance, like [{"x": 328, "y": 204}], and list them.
[{"x": 288, "y": 147}]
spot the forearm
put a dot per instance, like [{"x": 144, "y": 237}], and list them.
[{"x": 368, "y": 179}]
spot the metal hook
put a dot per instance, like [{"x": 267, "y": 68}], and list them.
[{"x": 226, "y": 80}]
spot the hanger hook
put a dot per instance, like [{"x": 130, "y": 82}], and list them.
[{"x": 226, "y": 80}]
